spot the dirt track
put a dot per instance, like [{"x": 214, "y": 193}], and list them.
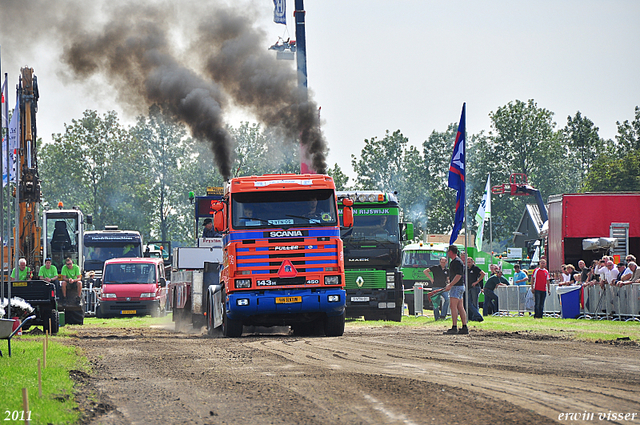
[{"x": 368, "y": 376}]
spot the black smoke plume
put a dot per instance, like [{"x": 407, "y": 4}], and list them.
[{"x": 133, "y": 48}]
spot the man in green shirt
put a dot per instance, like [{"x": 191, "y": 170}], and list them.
[
  {"x": 24, "y": 272},
  {"x": 71, "y": 277},
  {"x": 49, "y": 273}
]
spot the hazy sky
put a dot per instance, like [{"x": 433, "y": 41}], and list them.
[{"x": 409, "y": 65}]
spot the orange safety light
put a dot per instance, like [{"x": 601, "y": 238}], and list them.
[{"x": 60, "y": 205}]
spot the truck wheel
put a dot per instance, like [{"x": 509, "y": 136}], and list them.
[
  {"x": 230, "y": 328},
  {"x": 156, "y": 311},
  {"x": 334, "y": 325},
  {"x": 55, "y": 321},
  {"x": 410, "y": 304}
]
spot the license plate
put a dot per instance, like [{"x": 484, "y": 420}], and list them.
[
  {"x": 288, "y": 300},
  {"x": 359, "y": 299},
  {"x": 128, "y": 312},
  {"x": 19, "y": 284}
]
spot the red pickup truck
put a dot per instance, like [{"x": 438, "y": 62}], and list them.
[{"x": 132, "y": 287}]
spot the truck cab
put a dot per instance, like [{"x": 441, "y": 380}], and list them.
[{"x": 132, "y": 287}]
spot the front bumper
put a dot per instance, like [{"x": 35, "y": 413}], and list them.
[
  {"x": 263, "y": 303},
  {"x": 127, "y": 308}
]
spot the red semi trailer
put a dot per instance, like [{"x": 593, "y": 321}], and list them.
[{"x": 577, "y": 216}]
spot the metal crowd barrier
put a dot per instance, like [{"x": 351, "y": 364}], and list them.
[
  {"x": 612, "y": 303},
  {"x": 512, "y": 300},
  {"x": 90, "y": 300}
]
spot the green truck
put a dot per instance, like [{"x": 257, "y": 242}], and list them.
[
  {"x": 372, "y": 255},
  {"x": 418, "y": 256}
]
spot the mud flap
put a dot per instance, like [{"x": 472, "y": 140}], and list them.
[{"x": 216, "y": 291}]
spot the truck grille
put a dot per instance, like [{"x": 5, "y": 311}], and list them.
[
  {"x": 370, "y": 279},
  {"x": 307, "y": 257}
]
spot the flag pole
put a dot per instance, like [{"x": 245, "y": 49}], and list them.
[
  {"x": 3, "y": 125},
  {"x": 466, "y": 227}
]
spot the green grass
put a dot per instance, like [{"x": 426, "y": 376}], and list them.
[
  {"x": 57, "y": 405},
  {"x": 591, "y": 330}
]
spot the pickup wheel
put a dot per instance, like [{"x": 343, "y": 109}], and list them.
[
  {"x": 55, "y": 321},
  {"x": 334, "y": 325},
  {"x": 230, "y": 328}
]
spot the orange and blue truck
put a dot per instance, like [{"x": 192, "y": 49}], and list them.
[{"x": 283, "y": 261}]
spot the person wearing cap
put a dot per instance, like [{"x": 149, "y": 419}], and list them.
[
  {"x": 49, "y": 273},
  {"x": 624, "y": 274},
  {"x": 209, "y": 231}
]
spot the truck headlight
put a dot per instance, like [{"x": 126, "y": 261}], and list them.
[
  {"x": 147, "y": 295},
  {"x": 391, "y": 281},
  {"x": 242, "y": 301},
  {"x": 332, "y": 280},
  {"x": 243, "y": 283}
]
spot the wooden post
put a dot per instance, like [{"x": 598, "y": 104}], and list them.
[
  {"x": 39, "y": 379},
  {"x": 25, "y": 405},
  {"x": 46, "y": 338},
  {"x": 44, "y": 354}
]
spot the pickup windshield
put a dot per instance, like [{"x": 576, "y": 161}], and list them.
[
  {"x": 106, "y": 251},
  {"x": 421, "y": 258},
  {"x": 129, "y": 273},
  {"x": 284, "y": 209}
]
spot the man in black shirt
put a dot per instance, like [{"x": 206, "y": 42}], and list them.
[
  {"x": 456, "y": 292},
  {"x": 490, "y": 298},
  {"x": 438, "y": 276},
  {"x": 476, "y": 277}
]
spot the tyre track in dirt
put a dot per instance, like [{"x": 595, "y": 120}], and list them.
[
  {"x": 391, "y": 375},
  {"x": 546, "y": 383}
]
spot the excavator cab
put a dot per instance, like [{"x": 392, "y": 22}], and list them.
[{"x": 63, "y": 234}]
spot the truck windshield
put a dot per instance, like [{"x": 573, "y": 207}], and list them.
[
  {"x": 373, "y": 225},
  {"x": 421, "y": 258},
  {"x": 106, "y": 251},
  {"x": 129, "y": 273},
  {"x": 284, "y": 209}
]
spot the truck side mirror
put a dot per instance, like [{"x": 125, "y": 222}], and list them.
[
  {"x": 218, "y": 218},
  {"x": 347, "y": 213},
  {"x": 406, "y": 231},
  {"x": 163, "y": 282},
  {"x": 88, "y": 219}
]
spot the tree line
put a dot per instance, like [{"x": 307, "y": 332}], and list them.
[{"x": 139, "y": 177}]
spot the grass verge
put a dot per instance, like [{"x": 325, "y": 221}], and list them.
[
  {"x": 57, "y": 405},
  {"x": 590, "y": 330}
]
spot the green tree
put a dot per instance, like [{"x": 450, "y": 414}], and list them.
[
  {"x": 615, "y": 174},
  {"x": 381, "y": 163},
  {"x": 628, "y": 137},
  {"x": 581, "y": 136},
  {"x": 163, "y": 142},
  {"x": 86, "y": 166},
  {"x": 340, "y": 179}
]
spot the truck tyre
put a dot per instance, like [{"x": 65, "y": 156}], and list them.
[
  {"x": 334, "y": 325},
  {"x": 55, "y": 321},
  {"x": 230, "y": 328}
]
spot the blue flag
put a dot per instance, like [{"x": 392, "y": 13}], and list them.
[
  {"x": 456, "y": 176},
  {"x": 280, "y": 12}
]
